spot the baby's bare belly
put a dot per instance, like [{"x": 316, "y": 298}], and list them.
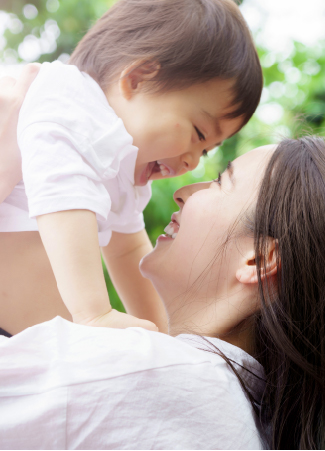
[{"x": 28, "y": 291}]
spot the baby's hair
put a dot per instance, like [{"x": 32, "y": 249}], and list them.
[{"x": 192, "y": 41}]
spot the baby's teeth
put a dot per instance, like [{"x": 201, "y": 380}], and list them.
[
  {"x": 163, "y": 169},
  {"x": 174, "y": 235}
]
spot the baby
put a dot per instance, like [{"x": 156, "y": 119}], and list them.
[{"x": 152, "y": 87}]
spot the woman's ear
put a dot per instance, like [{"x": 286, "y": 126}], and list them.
[
  {"x": 134, "y": 76},
  {"x": 247, "y": 273}
]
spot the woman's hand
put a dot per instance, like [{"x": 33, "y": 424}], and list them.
[{"x": 12, "y": 94}]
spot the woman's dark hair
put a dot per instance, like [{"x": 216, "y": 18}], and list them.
[
  {"x": 193, "y": 41},
  {"x": 290, "y": 328}
]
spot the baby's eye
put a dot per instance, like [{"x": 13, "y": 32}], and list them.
[{"x": 199, "y": 134}]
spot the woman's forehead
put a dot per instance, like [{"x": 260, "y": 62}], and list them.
[
  {"x": 257, "y": 157},
  {"x": 248, "y": 170}
]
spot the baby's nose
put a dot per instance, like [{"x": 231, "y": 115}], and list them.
[{"x": 190, "y": 161}]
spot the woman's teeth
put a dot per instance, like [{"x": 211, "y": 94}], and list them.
[
  {"x": 169, "y": 230},
  {"x": 163, "y": 169}
]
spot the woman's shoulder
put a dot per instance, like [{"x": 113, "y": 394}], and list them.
[
  {"x": 61, "y": 338},
  {"x": 116, "y": 352},
  {"x": 173, "y": 394},
  {"x": 222, "y": 352}
]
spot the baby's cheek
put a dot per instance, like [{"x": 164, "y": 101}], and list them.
[{"x": 179, "y": 128}]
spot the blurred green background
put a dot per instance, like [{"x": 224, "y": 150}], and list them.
[{"x": 293, "y": 100}]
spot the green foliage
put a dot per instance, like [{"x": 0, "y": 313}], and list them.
[
  {"x": 294, "y": 91},
  {"x": 74, "y": 18},
  {"x": 115, "y": 300}
]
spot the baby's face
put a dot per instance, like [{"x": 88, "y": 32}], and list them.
[{"x": 174, "y": 130}]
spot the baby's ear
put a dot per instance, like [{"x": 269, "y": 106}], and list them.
[
  {"x": 134, "y": 76},
  {"x": 247, "y": 273}
]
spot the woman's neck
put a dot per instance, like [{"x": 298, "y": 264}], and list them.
[{"x": 224, "y": 318}]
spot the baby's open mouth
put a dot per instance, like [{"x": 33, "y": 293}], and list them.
[
  {"x": 164, "y": 170},
  {"x": 157, "y": 167}
]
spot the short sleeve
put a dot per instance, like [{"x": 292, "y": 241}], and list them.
[
  {"x": 72, "y": 143},
  {"x": 129, "y": 218},
  {"x": 135, "y": 224},
  {"x": 56, "y": 175}
]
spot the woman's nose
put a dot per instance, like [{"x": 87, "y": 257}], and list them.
[{"x": 181, "y": 195}]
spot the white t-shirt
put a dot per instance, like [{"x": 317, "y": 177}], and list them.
[
  {"x": 66, "y": 386},
  {"x": 76, "y": 154}
]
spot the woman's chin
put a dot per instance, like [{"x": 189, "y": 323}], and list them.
[
  {"x": 151, "y": 267},
  {"x": 149, "y": 263},
  {"x": 145, "y": 265}
]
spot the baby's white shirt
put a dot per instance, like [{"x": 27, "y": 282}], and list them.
[{"x": 76, "y": 154}]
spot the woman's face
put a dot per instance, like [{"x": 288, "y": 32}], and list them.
[{"x": 194, "y": 267}]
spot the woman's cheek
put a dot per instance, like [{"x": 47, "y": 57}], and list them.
[{"x": 189, "y": 242}]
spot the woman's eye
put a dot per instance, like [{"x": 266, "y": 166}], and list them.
[
  {"x": 218, "y": 180},
  {"x": 199, "y": 134}
]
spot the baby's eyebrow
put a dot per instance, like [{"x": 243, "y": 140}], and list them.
[{"x": 215, "y": 120}]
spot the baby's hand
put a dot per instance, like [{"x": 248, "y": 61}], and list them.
[{"x": 118, "y": 320}]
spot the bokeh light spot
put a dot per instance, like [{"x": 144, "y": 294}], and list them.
[{"x": 30, "y": 11}]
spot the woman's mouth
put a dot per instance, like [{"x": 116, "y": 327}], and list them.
[{"x": 172, "y": 229}]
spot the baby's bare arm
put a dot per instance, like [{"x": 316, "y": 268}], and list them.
[
  {"x": 12, "y": 94},
  {"x": 70, "y": 239},
  {"x": 122, "y": 257}
]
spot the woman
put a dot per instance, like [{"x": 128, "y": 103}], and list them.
[{"x": 245, "y": 270}]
